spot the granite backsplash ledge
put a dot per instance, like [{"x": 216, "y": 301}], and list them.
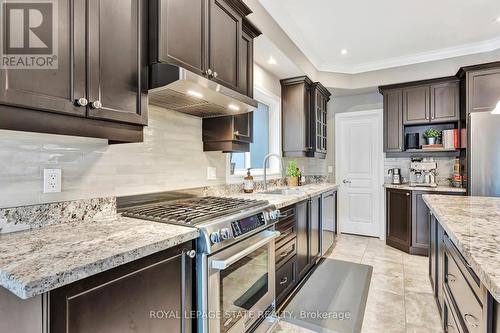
[
  {"x": 36, "y": 216},
  {"x": 226, "y": 189},
  {"x": 40, "y": 215}
]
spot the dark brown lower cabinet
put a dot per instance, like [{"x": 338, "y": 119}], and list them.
[
  {"x": 436, "y": 253},
  {"x": 420, "y": 224},
  {"x": 141, "y": 296},
  {"x": 464, "y": 303},
  {"x": 286, "y": 279},
  {"x": 314, "y": 229},
  {"x": 408, "y": 224},
  {"x": 302, "y": 239},
  {"x": 398, "y": 219},
  {"x": 298, "y": 246}
]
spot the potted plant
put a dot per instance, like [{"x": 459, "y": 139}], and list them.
[
  {"x": 432, "y": 136},
  {"x": 292, "y": 173}
]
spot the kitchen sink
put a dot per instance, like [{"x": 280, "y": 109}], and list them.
[{"x": 284, "y": 191}]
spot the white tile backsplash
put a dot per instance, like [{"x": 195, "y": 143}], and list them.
[
  {"x": 444, "y": 168},
  {"x": 171, "y": 157}
]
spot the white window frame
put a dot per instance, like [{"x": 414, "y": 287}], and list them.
[{"x": 273, "y": 171}]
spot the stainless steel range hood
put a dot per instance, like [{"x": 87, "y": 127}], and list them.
[{"x": 178, "y": 89}]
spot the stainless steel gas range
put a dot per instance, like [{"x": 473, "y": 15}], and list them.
[{"x": 234, "y": 259}]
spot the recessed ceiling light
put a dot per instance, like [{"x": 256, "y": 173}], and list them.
[
  {"x": 234, "y": 107},
  {"x": 271, "y": 61},
  {"x": 343, "y": 51},
  {"x": 195, "y": 94},
  {"x": 498, "y": 19}
]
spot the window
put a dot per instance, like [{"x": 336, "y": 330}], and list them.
[{"x": 266, "y": 139}]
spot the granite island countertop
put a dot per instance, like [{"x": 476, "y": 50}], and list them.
[
  {"x": 280, "y": 201},
  {"x": 439, "y": 188},
  {"x": 36, "y": 261},
  {"x": 473, "y": 225}
]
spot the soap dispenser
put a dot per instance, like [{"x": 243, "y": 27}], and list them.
[{"x": 248, "y": 184}]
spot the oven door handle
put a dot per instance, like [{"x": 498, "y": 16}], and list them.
[{"x": 223, "y": 264}]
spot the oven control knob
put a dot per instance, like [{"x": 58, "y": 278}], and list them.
[
  {"x": 215, "y": 237},
  {"x": 224, "y": 233}
]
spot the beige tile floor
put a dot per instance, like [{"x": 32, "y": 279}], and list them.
[{"x": 400, "y": 299}]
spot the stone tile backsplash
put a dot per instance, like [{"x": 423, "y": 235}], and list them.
[{"x": 444, "y": 170}]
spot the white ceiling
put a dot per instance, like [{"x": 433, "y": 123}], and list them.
[
  {"x": 386, "y": 33},
  {"x": 264, "y": 49}
]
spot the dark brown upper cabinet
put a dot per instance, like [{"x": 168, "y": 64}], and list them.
[
  {"x": 101, "y": 78},
  {"x": 246, "y": 57},
  {"x": 304, "y": 117},
  {"x": 416, "y": 105},
  {"x": 117, "y": 62},
  {"x": 228, "y": 133},
  {"x": 53, "y": 90},
  {"x": 320, "y": 97},
  {"x": 428, "y": 101},
  {"x": 431, "y": 103},
  {"x": 225, "y": 29},
  {"x": 481, "y": 87},
  {"x": 208, "y": 37},
  {"x": 393, "y": 120},
  {"x": 445, "y": 101},
  {"x": 178, "y": 36}
]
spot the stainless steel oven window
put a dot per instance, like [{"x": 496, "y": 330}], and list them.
[{"x": 240, "y": 283}]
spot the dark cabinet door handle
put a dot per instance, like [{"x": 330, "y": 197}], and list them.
[
  {"x": 450, "y": 277},
  {"x": 283, "y": 280}
]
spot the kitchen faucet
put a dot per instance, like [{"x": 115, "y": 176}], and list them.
[{"x": 265, "y": 169}]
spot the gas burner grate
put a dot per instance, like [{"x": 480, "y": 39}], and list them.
[{"x": 192, "y": 211}]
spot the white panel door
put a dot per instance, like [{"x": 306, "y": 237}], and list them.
[{"x": 359, "y": 160}]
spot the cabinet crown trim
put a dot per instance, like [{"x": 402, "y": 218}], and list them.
[{"x": 381, "y": 89}]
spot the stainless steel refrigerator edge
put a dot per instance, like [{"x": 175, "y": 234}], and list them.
[
  {"x": 328, "y": 220},
  {"x": 484, "y": 154}
]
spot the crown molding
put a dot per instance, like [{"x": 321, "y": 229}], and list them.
[{"x": 446, "y": 53}]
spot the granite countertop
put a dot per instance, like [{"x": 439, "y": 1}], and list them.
[
  {"x": 36, "y": 261},
  {"x": 473, "y": 225},
  {"x": 281, "y": 201},
  {"x": 439, "y": 188}
]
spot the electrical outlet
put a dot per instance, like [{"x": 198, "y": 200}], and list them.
[
  {"x": 52, "y": 180},
  {"x": 211, "y": 173},
  {"x": 330, "y": 169}
]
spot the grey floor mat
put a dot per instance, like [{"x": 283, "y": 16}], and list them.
[{"x": 335, "y": 290}]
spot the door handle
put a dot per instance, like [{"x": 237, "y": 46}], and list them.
[
  {"x": 471, "y": 320},
  {"x": 283, "y": 280},
  {"x": 225, "y": 263},
  {"x": 346, "y": 181},
  {"x": 451, "y": 277}
]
